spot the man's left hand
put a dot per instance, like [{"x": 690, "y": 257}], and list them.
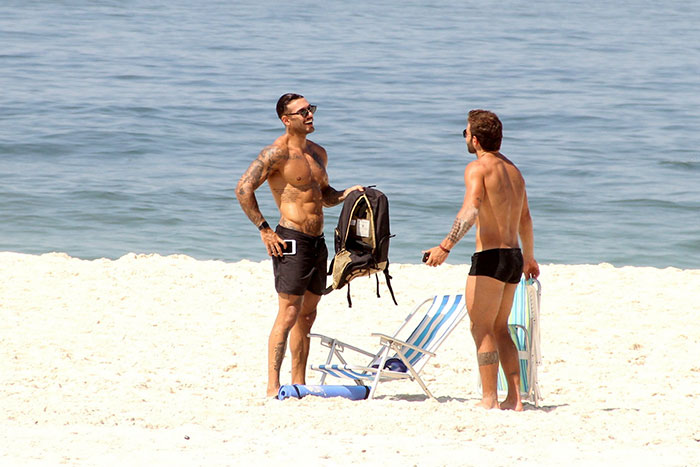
[{"x": 351, "y": 189}]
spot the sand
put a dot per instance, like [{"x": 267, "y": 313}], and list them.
[{"x": 153, "y": 360}]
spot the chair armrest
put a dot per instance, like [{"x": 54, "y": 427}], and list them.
[
  {"x": 366, "y": 369},
  {"x": 392, "y": 340},
  {"x": 321, "y": 336},
  {"x": 339, "y": 345}
]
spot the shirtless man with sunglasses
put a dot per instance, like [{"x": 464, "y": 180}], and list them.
[
  {"x": 496, "y": 201},
  {"x": 295, "y": 170}
]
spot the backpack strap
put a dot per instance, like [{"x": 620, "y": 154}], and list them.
[
  {"x": 329, "y": 289},
  {"x": 388, "y": 284}
]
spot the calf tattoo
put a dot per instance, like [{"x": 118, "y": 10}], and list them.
[
  {"x": 279, "y": 355},
  {"x": 487, "y": 358}
]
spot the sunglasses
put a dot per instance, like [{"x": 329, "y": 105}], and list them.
[
  {"x": 305, "y": 111},
  {"x": 464, "y": 133}
]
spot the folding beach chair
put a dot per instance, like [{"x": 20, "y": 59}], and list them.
[
  {"x": 443, "y": 314},
  {"x": 523, "y": 324}
]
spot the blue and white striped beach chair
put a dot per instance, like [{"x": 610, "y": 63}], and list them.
[
  {"x": 523, "y": 324},
  {"x": 443, "y": 314}
]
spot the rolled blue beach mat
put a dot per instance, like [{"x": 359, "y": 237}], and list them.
[{"x": 297, "y": 391}]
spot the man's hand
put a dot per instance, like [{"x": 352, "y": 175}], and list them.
[
  {"x": 531, "y": 269},
  {"x": 436, "y": 256},
  {"x": 351, "y": 189},
  {"x": 273, "y": 243}
]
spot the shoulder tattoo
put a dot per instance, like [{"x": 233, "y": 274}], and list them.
[
  {"x": 316, "y": 156},
  {"x": 259, "y": 169},
  {"x": 272, "y": 155}
]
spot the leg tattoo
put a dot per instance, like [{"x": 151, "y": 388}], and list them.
[
  {"x": 279, "y": 355},
  {"x": 487, "y": 358}
]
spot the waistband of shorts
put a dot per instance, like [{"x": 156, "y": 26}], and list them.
[
  {"x": 495, "y": 250},
  {"x": 296, "y": 235}
]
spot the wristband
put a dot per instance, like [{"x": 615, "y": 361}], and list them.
[
  {"x": 263, "y": 226},
  {"x": 444, "y": 249}
]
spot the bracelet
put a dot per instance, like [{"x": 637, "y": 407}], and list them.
[
  {"x": 443, "y": 248},
  {"x": 263, "y": 226}
]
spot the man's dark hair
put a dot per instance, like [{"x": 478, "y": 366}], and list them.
[
  {"x": 284, "y": 100},
  {"x": 487, "y": 128}
]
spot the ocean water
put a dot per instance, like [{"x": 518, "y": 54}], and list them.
[{"x": 125, "y": 125}]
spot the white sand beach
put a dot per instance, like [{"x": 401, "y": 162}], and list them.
[{"x": 151, "y": 360}]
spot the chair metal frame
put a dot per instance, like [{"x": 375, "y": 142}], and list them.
[{"x": 451, "y": 309}]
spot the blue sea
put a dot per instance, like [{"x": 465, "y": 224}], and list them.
[{"x": 126, "y": 124}]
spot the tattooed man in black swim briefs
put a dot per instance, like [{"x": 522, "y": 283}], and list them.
[
  {"x": 496, "y": 201},
  {"x": 295, "y": 170}
]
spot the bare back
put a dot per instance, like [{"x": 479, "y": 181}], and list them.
[
  {"x": 495, "y": 200},
  {"x": 502, "y": 195}
]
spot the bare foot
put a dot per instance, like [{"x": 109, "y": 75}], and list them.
[
  {"x": 516, "y": 405},
  {"x": 272, "y": 392},
  {"x": 488, "y": 404}
]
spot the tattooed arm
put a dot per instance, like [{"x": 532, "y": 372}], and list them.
[
  {"x": 268, "y": 160},
  {"x": 464, "y": 221},
  {"x": 332, "y": 197},
  {"x": 466, "y": 217}
]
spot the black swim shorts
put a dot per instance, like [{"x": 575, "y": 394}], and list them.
[
  {"x": 305, "y": 270},
  {"x": 504, "y": 264}
]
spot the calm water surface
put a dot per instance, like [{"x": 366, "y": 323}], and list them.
[{"x": 124, "y": 126}]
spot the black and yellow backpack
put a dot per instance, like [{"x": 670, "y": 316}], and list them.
[{"x": 361, "y": 240}]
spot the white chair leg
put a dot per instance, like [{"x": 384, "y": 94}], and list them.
[
  {"x": 328, "y": 360},
  {"x": 382, "y": 361},
  {"x": 416, "y": 377}
]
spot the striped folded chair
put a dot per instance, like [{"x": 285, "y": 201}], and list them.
[{"x": 443, "y": 314}]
